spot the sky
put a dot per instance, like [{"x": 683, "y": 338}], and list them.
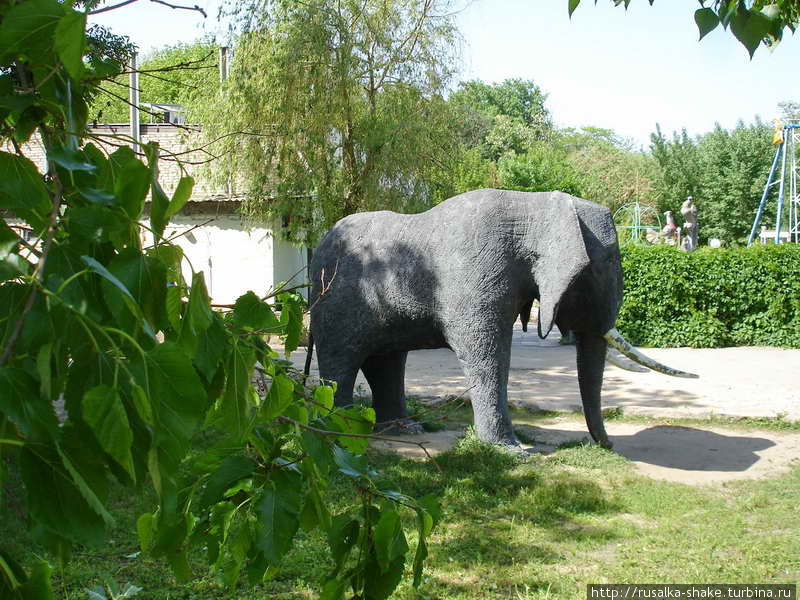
[{"x": 605, "y": 67}]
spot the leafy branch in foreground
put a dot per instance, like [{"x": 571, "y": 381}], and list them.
[
  {"x": 126, "y": 337},
  {"x": 752, "y": 22}
]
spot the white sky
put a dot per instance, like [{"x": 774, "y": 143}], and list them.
[{"x": 606, "y": 68}]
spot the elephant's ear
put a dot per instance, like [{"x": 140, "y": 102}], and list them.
[{"x": 562, "y": 258}]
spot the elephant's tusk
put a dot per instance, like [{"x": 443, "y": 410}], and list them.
[
  {"x": 624, "y": 365},
  {"x": 615, "y": 339}
]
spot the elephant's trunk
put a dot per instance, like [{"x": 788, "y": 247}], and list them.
[
  {"x": 615, "y": 338},
  {"x": 591, "y": 363}
]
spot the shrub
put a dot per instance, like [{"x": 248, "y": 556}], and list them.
[{"x": 711, "y": 297}]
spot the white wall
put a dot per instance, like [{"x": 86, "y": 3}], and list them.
[{"x": 234, "y": 259}]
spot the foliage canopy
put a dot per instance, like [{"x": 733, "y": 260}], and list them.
[
  {"x": 95, "y": 311},
  {"x": 342, "y": 104},
  {"x": 752, "y": 22}
]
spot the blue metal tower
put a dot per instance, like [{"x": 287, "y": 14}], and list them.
[{"x": 787, "y": 137}]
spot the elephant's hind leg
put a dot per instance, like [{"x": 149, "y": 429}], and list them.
[
  {"x": 386, "y": 374},
  {"x": 338, "y": 367}
]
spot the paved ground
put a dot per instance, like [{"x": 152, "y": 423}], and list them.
[{"x": 752, "y": 382}]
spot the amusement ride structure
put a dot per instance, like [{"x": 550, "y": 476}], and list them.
[{"x": 787, "y": 136}]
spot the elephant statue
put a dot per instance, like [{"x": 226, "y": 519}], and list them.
[{"x": 458, "y": 276}]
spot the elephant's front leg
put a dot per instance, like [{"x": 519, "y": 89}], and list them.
[
  {"x": 485, "y": 357},
  {"x": 591, "y": 355}
]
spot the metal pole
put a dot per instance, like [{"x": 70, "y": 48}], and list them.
[
  {"x": 223, "y": 63},
  {"x": 763, "y": 202},
  {"x": 133, "y": 98},
  {"x": 780, "y": 191},
  {"x": 223, "y": 76},
  {"x": 794, "y": 218}
]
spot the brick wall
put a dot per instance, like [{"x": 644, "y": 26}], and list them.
[{"x": 171, "y": 139}]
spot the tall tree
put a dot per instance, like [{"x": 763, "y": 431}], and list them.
[
  {"x": 680, "y": 172},
  {"x": 343, "y": 105},
  {"x": 752, "y": 22},
  {"x": 180, "y": 74},
  {"x": 612, "y": 171},
  {"x": 505, "y": 117},
  {"x": 734, "y": 165},
  {"x": 724, "y": 170}
]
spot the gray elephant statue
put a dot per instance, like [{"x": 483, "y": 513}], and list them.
[{"x": 458, "y": 276}]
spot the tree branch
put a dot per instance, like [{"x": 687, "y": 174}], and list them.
[{"x": 126, "y": 2}]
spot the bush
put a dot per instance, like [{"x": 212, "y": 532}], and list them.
[{"x": 711, "y": 297}]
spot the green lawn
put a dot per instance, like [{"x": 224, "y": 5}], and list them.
[{"x": 541, "y": 528}]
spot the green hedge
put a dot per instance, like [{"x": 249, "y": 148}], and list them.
[{"x": 711, "y": 297}]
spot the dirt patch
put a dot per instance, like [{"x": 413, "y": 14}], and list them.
[{"x": 690, "y": 455}]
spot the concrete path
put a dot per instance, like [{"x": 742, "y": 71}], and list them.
[{"x": 746, "y": 382}]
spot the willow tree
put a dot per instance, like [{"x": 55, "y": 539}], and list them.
[{"x": 336, "y": 107}]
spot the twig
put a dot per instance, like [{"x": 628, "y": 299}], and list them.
[
  {"x": 179, "y": 7},
  {"x": 388, "y": 424},
  {"x": 112, "y": 7},
  {"x": 126, "y": 2}
]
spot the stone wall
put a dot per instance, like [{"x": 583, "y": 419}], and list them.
[{"x": 172, "y": 139}]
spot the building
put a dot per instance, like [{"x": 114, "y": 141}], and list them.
[{"x": 234, "y": 256}]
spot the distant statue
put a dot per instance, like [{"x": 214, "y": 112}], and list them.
[
  {"x": 689, "y": 212},
  {"x": 671, "y": 233}
]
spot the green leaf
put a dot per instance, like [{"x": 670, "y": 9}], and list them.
[
  {"x": 750, "y": 27},
  {"x": 320, "y": 452},
  {"x": 94, "y": 223},
  {"x": 199, "y": 315},
  {"x": 355, "y": 419},
  {"x": 280, "y": 395},
  {"x": 278, "y": 512},
  {"x": 292, "y": 318},
  {"x": 706, "y": 19},
  {"x": 573, "y": 4},
  {"x": 379, "y": 584},
  {"x": 142, "y": 405},
  {"x": 131, "y": 181},
  {"x": 39, "y": 584},
  {"x": 323, "y": 395},
  {"x": 211, "y": 348},
  {"x": 428, "y": 515},
  {"x": 349, "y": 464},
  {"x": 105, "y": 414},
  {"x": 250, "y": 311},
  {"x": 342, "y": 537},
  {"x": 28, "y": 29},
  {"x": 389, "y": 539},
  {"x": 333, "y": 590},
  {"x": 236, "y": 407},
  {"x": 69, "y": 41},
  {"x": 21, "y": 403},
  {"x": 159, "y": 202},
  {"x": 146, "y": 528},
  {"x": 23, "y": 191},
  {"x": 433, "y": 507},
  {"x": 86, "y": 490},
  {"x": 71, "y": 160},
  {"x": 12, "y": 265},
  {"x": 177, "y": 398},
  {"x": 180, "y": 196},
  {"x": 70, "y": 517},
  {"x": 229, "y": 472}
]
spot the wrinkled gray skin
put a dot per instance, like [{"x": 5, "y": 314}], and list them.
[{"x": 458, "y": 276}]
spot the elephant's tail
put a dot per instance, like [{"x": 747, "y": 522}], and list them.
[{"x": 309, "y": 355}]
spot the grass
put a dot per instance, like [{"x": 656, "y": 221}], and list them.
[{"x": 522, "y": 529}]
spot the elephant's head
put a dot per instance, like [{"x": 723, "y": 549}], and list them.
[{"x": 576, "y": 268}]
